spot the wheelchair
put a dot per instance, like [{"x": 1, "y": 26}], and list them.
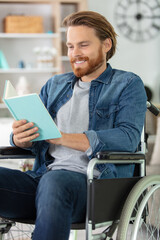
[{"x": 124, "y": 208}]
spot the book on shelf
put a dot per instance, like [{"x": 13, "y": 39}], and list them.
[{"x": 31, "y": 108}]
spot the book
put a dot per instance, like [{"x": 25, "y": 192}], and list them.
[{"x": 31, "y": 108}]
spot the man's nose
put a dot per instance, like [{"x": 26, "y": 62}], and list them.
[{"x": 76, "y": 52}]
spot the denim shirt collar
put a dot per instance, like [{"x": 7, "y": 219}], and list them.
[{"x": 104, "y": 78}]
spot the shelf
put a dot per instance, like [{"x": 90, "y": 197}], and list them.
[
  {"x": 32, "y": 70},
  {"x": 29, "y": 35}
]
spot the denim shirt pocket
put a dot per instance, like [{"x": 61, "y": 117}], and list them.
[
  {"x": 109, "y": 171},
  {"x": 105, "y": 117}
]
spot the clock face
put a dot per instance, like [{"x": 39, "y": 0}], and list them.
[{"x": 138, "y": 20}]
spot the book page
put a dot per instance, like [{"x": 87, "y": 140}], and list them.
[{"x": 9, "y": 90}]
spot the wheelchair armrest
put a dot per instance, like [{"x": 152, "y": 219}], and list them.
[
  {"x": 15, "y": 152},
  {"x": 115, "y": 158},
  {"x": 119, "y": 156}
]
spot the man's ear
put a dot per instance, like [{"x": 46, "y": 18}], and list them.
[{"x": 107, "y": 44}]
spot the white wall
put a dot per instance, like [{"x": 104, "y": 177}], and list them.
[{"x": 141, "y": 58}]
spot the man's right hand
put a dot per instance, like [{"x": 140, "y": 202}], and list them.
[{"x": 23, "y": 133}]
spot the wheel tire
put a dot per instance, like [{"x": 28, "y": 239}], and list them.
[{"x": 147, "y": 188}]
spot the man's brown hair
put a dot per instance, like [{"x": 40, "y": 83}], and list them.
[{"x": 96, "y": 21}]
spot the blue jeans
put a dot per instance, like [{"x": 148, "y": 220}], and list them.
[{"x": 55, "y": 200}]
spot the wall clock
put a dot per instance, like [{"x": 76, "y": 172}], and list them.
[{"x": 138, "y": 20}]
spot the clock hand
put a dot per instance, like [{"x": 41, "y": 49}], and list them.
[
  {"x": 138, "y": 16},
  {"x": 143, "y": 16},
  {"x": 138, "y": 5},
  {"x": 125, "y": 16}
]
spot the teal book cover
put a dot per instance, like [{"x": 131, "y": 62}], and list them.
[{"x": 31, "y": 108}]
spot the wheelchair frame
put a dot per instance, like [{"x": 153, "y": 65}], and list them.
[
  {"x": 137, "y": 192},
  {"x": 92, "y": 202},
  {"x": 115, "y": 158}
]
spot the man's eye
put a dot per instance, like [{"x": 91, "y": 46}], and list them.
[
  {"x": 84, "y": 45},
  {"x": 70, "y": 47}
]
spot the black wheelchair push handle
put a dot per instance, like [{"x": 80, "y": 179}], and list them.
[{"x": 153, "y": 109}]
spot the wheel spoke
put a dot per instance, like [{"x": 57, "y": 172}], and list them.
[{"x": 143, "y": 200}]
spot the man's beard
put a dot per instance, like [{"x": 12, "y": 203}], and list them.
[{"x": 93, "y": 64}]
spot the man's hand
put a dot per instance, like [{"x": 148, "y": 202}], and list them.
[
  {"x": 77, "y": 141},
  {"x": 23, "y": 133}
]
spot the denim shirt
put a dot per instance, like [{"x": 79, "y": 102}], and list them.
[{"x": 117, "y": 106}]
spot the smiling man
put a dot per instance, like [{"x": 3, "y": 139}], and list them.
[
  {"x": 86, "y": 52},
  {"x": 96, "y": 108}
]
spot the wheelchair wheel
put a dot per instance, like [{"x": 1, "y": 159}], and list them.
[{"x": 140, "y": 217}]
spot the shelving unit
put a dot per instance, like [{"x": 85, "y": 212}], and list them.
[
  {"x": 29, "y": 70},
  {"x": 19, "y": 46},
  {"x": 29, "y": 35}
]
